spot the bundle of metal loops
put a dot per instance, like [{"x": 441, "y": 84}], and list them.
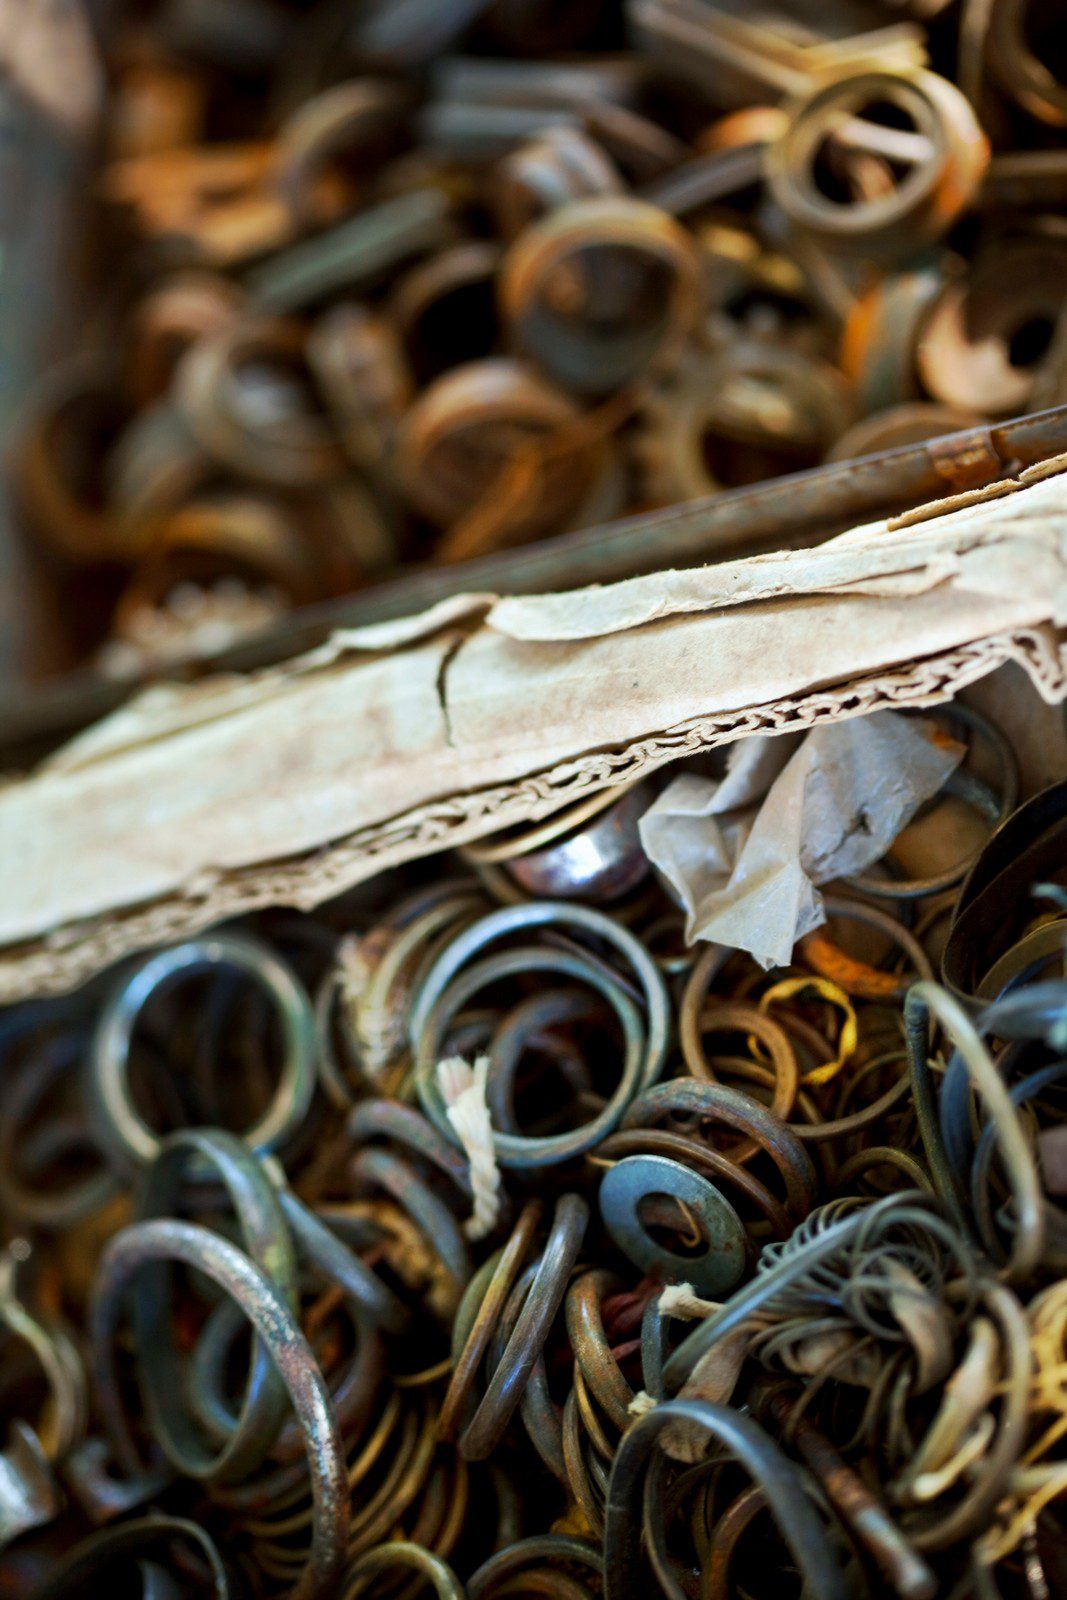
[
  {"x": 480, "y": 1234},
  {"x": 395, "y": 281}
]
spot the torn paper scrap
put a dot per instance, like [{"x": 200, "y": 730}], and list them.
[{"x": 745, "y": 853}]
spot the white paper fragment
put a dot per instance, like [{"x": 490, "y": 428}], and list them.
[{"x": 744, "y": 854}]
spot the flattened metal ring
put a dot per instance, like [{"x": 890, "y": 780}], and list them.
[
  {"x": 636, "y": 1178},
  {"x": 122, "y": 1130},
  {"x": 543, "y": 1299}
]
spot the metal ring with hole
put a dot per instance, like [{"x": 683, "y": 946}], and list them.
[
  {"x": 122, "y": 1130},
  {"x": 597, "y": 324},
  {"x": 950, "y": 157},
  {"x": 702, "y": 1158},
  {"x": 972, "y": 353},
  {"x": 635, "y": 1178}
]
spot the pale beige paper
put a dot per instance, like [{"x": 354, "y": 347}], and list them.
[{"x": 290, "y": 785}]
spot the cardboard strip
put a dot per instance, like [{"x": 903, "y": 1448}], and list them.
[{"x": 288, "y": 786}]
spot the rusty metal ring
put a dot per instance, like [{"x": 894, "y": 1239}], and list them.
[
  {"x": 541, "y": 1301},
  {"x": 469, "y": 425},
  {"x": 298, "y": 448},
  {"x": 158, "y": 1242},
  {"x": 700, "y": 1014},
  {"x": 720, "y": 1105},
  {"x": 911, "y": 422},
  {"x": 77, "y": 404},
  {"x": 554, "y": 299},
  {"x": 881, "y": 334},
  {"x": 473, "y": 1329},
  {"x": 444, "y": 309},
  {"x": 353, "y": 1393},
  {"x": 168, "y": 319},
  {"x": 516, "y": 1149},
  {"x": 592, "y": 1351},
  {"x": 940, "y": 184},
  {"x": 985, "y": 342},
  {"x": 485, "y": 1583},
  {"x": 381, "y": 1169},
  {"x": 247, "y": 1439},
  {"x": 357, "y": 118},
  {"x": 558, "y": 167},
  {"x": 1020, "y": 65},
  {"x": 770, "y": 1468}
]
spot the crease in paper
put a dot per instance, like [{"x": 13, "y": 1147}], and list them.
[{"x": 745, "y": 854}]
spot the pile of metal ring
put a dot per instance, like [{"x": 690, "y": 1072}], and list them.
[
  {"x": 403, "y": 280},
  {"x": 477, "y": 1235}
]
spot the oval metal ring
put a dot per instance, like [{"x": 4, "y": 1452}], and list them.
[
  {"x": 634, "y": 1179},
  {"x": 516, "y": 1149},
  {"x": 123, "y": 1130},
  {"x": 535, "y": 914}
]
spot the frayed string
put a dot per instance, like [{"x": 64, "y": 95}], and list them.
[{"x": 463, "y": 1089}]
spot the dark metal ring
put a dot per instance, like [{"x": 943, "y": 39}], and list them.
[
  {"x": 122, "y": 1129},
  {"x": 161, "y": 1241}
]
